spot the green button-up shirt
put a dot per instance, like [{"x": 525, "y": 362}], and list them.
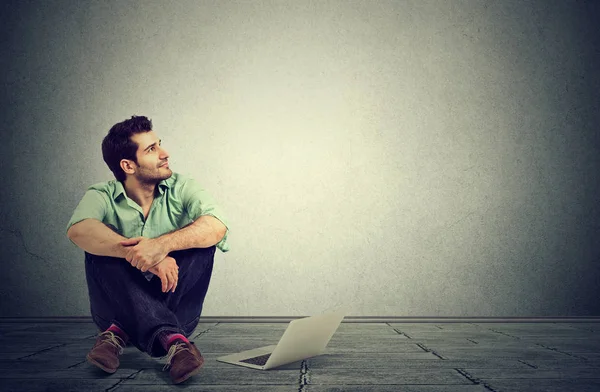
[{"x": 180, "y": 201}]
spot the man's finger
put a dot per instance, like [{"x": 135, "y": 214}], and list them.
[
  {"x": 171, "y": 283},
  {"x": 131, "y": 241},
  {"x": 176, "y": 281},
  {"x": 131, "y": 255},
  {"x": 153, "y": 265},
  {"x": 170, "y": 286},
  {"x": 141, "y": 263},
  {"x": 163, "y": 280}
]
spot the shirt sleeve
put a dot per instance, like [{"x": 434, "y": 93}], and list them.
[
  {"x": 92, "y": 205},
  {"x": 198, "y": 202}
]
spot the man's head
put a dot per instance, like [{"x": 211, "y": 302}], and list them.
[{"x": 132, "y": 148}]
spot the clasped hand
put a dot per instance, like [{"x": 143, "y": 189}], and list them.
[
  {"x": 147, "y": 254},
  {"x": 168, "y": 272},
  {"x": 143, "y": 252}
]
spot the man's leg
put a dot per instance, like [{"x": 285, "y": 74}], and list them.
[
  {"x": 119, "y": 294},
  {"x": 195, "y": 271}
]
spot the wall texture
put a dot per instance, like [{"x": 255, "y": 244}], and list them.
[{"x": 406, "y": 158}]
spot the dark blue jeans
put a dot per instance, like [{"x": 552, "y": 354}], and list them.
[{"x": 120, "y": 294}]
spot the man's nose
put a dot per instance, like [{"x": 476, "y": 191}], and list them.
[{"x": 164, "y": 154}]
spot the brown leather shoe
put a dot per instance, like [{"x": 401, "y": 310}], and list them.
[
  {"x": 184, "y": 361},
  {"x": 106, "y": 351}
]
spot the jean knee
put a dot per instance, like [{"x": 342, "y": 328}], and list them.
[{"x": 194, "y": 256}]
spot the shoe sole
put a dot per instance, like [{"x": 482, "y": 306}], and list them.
[
  {"x": 98, "y": 364},
  {"x": 190, "y": 374}
]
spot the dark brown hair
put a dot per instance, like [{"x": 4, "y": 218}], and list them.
[{"x": 118, "y": 145}]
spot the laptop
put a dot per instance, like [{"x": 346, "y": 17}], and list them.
[{"x": 303, "y": 338}]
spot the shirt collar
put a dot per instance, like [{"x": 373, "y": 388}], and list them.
[
  {"x": 164, "y": 184},
  {"x": 120, "y": 190}
]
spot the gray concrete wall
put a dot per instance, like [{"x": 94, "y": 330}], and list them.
[{"x": 406, "y": 158}]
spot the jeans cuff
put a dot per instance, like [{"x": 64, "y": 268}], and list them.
[{"x": 154, "y": 336}]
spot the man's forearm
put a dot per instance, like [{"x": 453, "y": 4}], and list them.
[
  {"x": 96, "y": 238},
  {"x": 204, "y": 232}
]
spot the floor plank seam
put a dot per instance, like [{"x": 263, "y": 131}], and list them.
[
  {"x": 527, "y": 363},
  {"x": 304, "y": 376},
  {"x": 422, "y": 347},
  {"x": 206, "y": 330},
  {"x": 130, "y": 377},
  {"x": 488, "y": 387},
  {"x": 559, "y": 351},
  {"x": 504, "y": 333},
  {"x": 584, "y": 329},
  {"x": 112, "y": 388},
  {"x": 466, "y": 375},
  {"x": 475, "y": 380},
  {"x": 77, "y": 364},
  {"x": 402, "y": 333},
  {"x": 41, "y": 351},
  {"x": 427, "y": 349}
]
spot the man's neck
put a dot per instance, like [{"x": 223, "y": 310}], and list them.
[{"x": 141, "y": 193}]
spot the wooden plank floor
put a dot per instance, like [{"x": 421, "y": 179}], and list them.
[{"x": 415, "y": 357}]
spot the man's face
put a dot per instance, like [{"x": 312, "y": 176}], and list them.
[{"x": 152, "y": 159}]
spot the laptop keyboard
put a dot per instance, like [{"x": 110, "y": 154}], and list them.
[{"x": 260, "y": 360}]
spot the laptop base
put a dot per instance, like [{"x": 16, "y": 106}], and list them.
[{"x": 235, "y": 359}]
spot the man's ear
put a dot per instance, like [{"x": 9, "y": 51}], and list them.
[{"x": 128, "y": 166}]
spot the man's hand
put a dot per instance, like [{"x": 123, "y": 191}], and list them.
[
  {"x": 168, "y": 272},
  {"x": 144, "y": 253}
]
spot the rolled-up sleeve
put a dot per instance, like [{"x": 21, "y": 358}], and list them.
[
  {"x": 198, "y": 202},
  {"x": 92, "y": 205}
]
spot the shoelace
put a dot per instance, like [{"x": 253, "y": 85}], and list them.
[
  {"x": 175, "y": 349},
  {"x": 110, "y": 337}
]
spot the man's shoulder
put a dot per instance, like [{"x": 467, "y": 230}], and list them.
[
  {"x": 107, "y": 188},
  {"x": 182, "y": 185},
  {"x": 178, "y": 180}
]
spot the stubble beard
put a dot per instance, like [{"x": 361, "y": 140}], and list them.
[{"x": 153, "y": 178}]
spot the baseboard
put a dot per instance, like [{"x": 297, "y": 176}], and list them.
[{"x": 348, "y": 319}]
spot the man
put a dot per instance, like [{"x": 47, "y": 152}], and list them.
[{"x": 149, "y": 239}]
